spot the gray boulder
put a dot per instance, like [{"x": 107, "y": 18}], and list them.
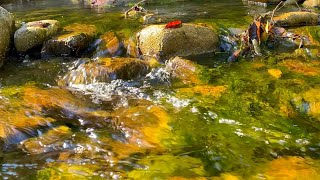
[
  {"x": 189, "y": 39},
  {"x": 6, "y": 31},
  {"x": 35, "y": 33}
]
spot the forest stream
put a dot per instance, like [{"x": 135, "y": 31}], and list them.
[{"x": 114, "y": 109}]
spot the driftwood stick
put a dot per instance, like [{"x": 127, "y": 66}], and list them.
[{"x": 133, "y": 7}]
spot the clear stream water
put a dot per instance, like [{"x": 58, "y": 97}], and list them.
[{"x": 235, "y": 121}]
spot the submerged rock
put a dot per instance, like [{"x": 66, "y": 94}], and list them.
[
  {"x": 132, "y": 48},
  {"x": 189, "y": 39},
  {"x": 105, "y": 70},
  {"x": 22, "y": 110},
  {"x": 300, "y": 18},
  {"x": 50, "y": 141},
  {"x": 71, "y": 41},
  {"x": 108, "y": 45},
  {"x": 35, "y": 33},
  {"x": 6, "y": 30}
]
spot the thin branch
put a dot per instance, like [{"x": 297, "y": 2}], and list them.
[
  {"x": 132, "y": 8},
  {"x": 275, "y": 9}
]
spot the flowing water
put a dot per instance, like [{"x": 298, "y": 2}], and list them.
[{"x": 242, "y": 120}]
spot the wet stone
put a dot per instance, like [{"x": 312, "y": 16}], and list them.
[
  {"x": 301, "y": 18},
  {"x": 50, "y": 141},
  {"x": 132, "y": 48},
  {"x": 72, "y": 41},
  {"x": 184, "y": 70},
  {"x": 189, "y": 39},
  {"x": 108, "y": 45},
  {"x": 106, "y": 70},
  {"x": 35, "y": 33},
  {"x": 6, "y": 30}
]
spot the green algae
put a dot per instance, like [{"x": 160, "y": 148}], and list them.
[
  {"x": 111, "y": 21},
  {"x": 166, "y": 166}
]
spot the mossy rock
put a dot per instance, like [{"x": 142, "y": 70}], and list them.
[
  {"x": 311, "y": 3},
  {"x": 22, "y": 109},
  {"x": 6, "y": 32},
  {"x": 293, "y": 19},
  {"x": 74, "y": 39},
  {"x": 189, "y": 39},
  {"x": 35, "y": 33}
]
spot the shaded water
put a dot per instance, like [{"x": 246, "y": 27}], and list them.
[{"x": 235, "y": 120}]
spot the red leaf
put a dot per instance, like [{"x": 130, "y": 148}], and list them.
[{"x": 174, "y": 24}]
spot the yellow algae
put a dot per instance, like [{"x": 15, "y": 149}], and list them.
[
  {"x": 229, "y": 177},
  {"x": 23, "y": 109},
  {"x": 204, "y": 90},
  {"x": 154, "y": 63},
  {"x": 258, "y": 65},
  {"x": 291, "y": 168},
  {"x": 184, "y": 178},
  {"x": 276, "y": 73},
  {"x": 308, "y": 69}
]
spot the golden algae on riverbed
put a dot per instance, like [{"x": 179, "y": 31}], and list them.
[
  {"x": 312, "y": 96},
  {"x": 202, "y": 90},
  {"x": 57, "y": 171},
  {"x": 292, "y": 168},
  {"x": 23, "y": 107},
  {"x": 167, "y": 166},
  {"x": 276, "y": 73},
  {"x": 311, "y": 68},
  {"x": 147, "y": 125}
]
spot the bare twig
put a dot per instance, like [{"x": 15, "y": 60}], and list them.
[
  {"x": 275, "y": 9},
  {"x": 133, "y": 8}
]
